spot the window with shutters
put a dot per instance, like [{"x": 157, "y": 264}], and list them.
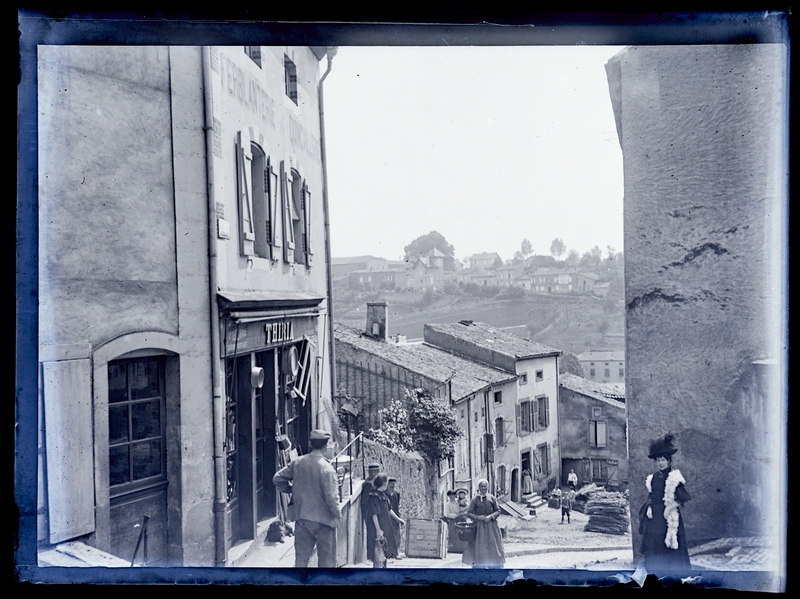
[
  {"x": 254, "y": 52},
  {"x": 542, "y": 461},
  {"x": 599, "y": 470},
  {"x": 499, "y": 432},
  {"x": 542, "y": 416},
  {"x": 598, "y": 433},
  {"x": 296, "y": 218},
  {"x": 500, "y": 481},
  {"x": 258, "y": 200},
  {"x": 290, "y": 78},
  {"x": 524, "y": 418}
]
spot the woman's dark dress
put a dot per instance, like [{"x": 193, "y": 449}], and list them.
[
  {"x": 379, "y": 504},
  {"x": 487, "y": 549},
  {"x": 657, "y": 556}
]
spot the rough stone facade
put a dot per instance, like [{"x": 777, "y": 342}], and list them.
[{"x": 702, "y": 134}]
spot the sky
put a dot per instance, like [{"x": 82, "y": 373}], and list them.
[{"x": 488, "y": 145}]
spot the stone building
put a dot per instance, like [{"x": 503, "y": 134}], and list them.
[
  {"x": 593, "y": 434},
  {"x": 184, "y": 285},
  {"x": 702, "y": 130}
]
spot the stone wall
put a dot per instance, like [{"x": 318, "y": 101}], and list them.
[{"x": 702, "y": 132}]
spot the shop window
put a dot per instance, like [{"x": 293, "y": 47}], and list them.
[
  {"x": 254, "y": 52},
  {"x": 290, "y": 78}
]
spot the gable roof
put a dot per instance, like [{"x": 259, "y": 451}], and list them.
[
  {"x": 599, "y": 391},
  {"x": 602, "y": 356},
  {"x": 466, "y": 376},
  {"x": 484, "y": 256},
  {"x": 354, "y": 259},
  {"x": 484, "y": 335}
]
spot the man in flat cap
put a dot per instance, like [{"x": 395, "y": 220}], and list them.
[{"x": 314, "y": 487}]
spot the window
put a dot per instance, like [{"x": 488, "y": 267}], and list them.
[
  {"x": 462, "y": 413},
  {"x": 542, "y": 461},
  {"x": 498, "y": 397},
  {"x": 500, "y": 481},
  {"x": 539, "y": 375},
  {"x": 599, "y": 470},
  {"x": 542, "y": 416},
  {"x": 254, "y": 52},
  {"x": 258, "y": 188},
  {"x": 524, "y": 418},
  {"x": 621, "y": 372},
  {"x": 136, "y": 432},
  {"x": 597, "y": 412},
  {"x": 523, "y": 378},
  {"x": 607, "y": 373},
  {"x": 296, "y": 218},
  {"x": 499, "y": 436},
  {"x": 598, "y": 433},
  {"x": 290, "y": 76},
  {"x": 476, "y": 416},
  {"x": 591, "y": 372}
]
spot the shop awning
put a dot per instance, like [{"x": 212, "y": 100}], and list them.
[{"x": 262, "y": 301}]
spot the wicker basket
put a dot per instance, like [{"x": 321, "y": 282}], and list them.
[{"x": 466, "y": 531}]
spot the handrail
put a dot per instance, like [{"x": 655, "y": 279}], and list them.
[
  {"x": 142, "y": 533},
  {"x": 336, "y": 457}
]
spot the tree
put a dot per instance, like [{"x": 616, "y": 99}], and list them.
[
  {"x": 422, "y": 245},
  {"x": 434, "y": 424},
  {"x": 573, "y": 258},
  {"x": 525, "y": 250},
  {"x": 557, "y": 248},
  {"x": 419, "y": 423},
  {"x": 569, "y": 363}
]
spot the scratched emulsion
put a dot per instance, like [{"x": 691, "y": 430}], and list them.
[{"x": 701, "y": 132}]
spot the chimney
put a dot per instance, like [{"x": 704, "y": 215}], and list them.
[{"x": 377, "y": 321}]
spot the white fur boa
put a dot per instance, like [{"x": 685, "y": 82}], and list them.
[{"x": 671, "y": 514}]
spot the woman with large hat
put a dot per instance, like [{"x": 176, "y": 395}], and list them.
[{"x": 660, "y": 520}]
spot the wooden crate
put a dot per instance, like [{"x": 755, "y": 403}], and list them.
[{"x": 426, "y": 538}]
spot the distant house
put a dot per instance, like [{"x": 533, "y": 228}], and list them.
[
  {"x": 483, "y": 278},
  {"x": 342, "y": 267},
  {"x": 509, "y": 274},
  {"x": 484, "y": 260},
  {"x": 592, "y": 432},
  {"x": 375, "y": 279},
  {"x": 563, "y": 280},
  {"x": 601, "y": 288},
  {"x": 603, "y": 366},
  {"x": 520, "y": 420},
  {"x": 534, "y": 262}
]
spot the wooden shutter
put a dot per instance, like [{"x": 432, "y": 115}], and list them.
[
  {"x": 307, "y": 248},
  {"x": 268, "y": 207},
  {"x": 288, "y": 230},
  {"x": 593, "y": 433},
  {"x": 535, "y": 412},
  {"x": 518, "y": 414},
  {"x": 69, "y": 448},
  {"x": 274, "y": 212},
  {"x": 246, "y": 223},
  {"x": 546, "y": 403},
  {"x": 602, "y": 441}
]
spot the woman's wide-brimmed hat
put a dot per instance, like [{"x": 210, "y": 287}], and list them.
[{"x": 662, "y": 447}]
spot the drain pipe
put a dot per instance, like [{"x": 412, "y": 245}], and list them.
[
  {"x": 330, "y": 53},
  {"x": 218, "y": 405}
]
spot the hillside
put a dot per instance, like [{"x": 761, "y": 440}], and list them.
[{"x": 570, "y": 323}]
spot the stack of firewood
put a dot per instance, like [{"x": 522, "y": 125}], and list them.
[
  {"x": 608, "y": 513},
  {"x": 584, "y": 494}
]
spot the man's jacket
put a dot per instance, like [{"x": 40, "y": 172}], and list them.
[{"x": 314, "y": 489}]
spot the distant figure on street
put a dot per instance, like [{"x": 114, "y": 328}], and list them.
[
  {"x": 315, "y": 492},
  {"x": 372, "y": 471},
  {"x": 527, "y": 482},
  {"x": 572, "y": 480},
  {"x": 660, "y": 519},
  {"x": 486, "y": 550},
  {"x": 383, "y": 520},
  {"x": 566, "y": 506},
  {"x": 394, "y": 499}
]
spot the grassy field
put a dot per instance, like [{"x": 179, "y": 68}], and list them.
[{"x": 570, "y": 323}]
